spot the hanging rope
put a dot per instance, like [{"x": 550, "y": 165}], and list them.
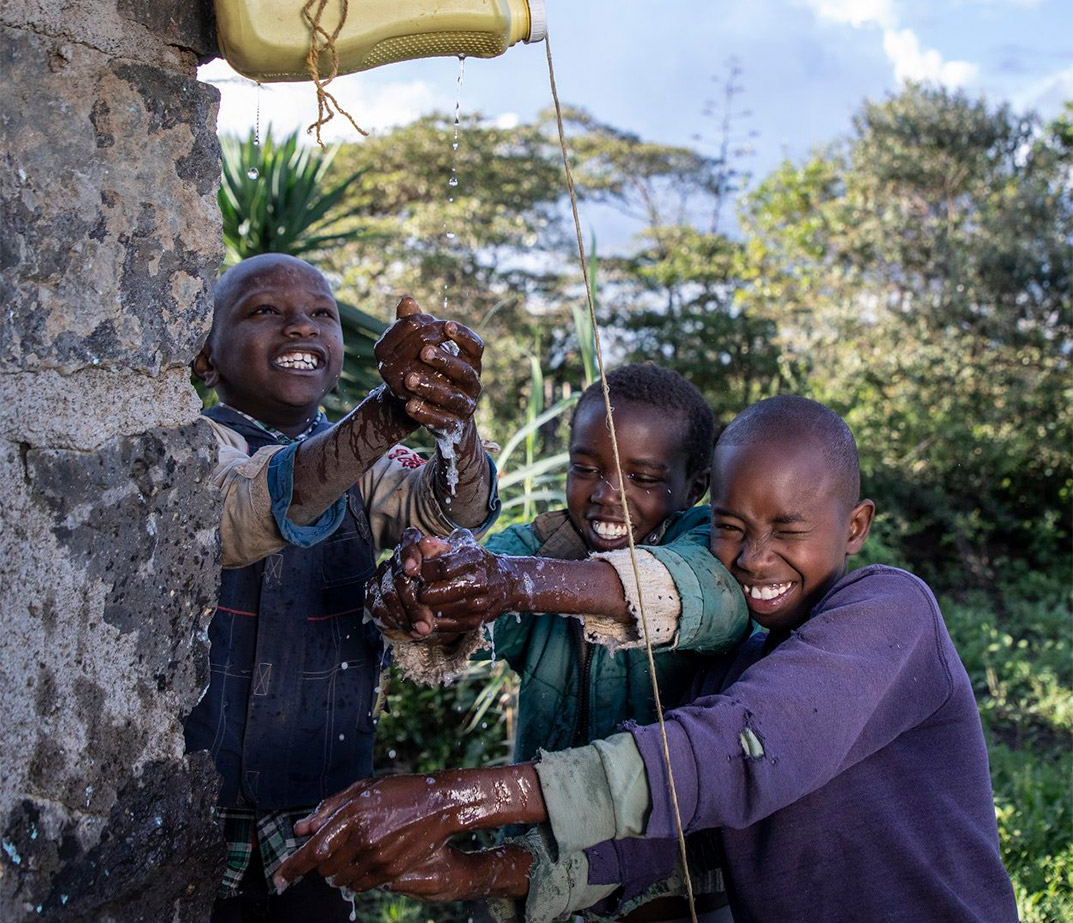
[
  {"x": 622, "y": 491},
  {"x": 320, "y": 40}
]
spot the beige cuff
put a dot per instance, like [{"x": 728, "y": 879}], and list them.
[
  {"x": 663, "y": 605},
  {"x": 432, "y": 664}
]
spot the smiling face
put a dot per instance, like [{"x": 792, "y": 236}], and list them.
[
  {"x": 782, "y": 528},
  {"x": 653, "y": 466},
  {"x": 277, "y": 347}
]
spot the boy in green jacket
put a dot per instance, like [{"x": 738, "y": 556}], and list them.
[{"x": 582, "y": 676}]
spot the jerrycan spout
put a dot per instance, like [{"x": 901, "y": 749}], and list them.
[{"x": 269, "y": 40}]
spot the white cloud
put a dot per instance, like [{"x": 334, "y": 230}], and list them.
[
  {"x": 290, "y": 106},
  {"x": 912, "y": 62},
  {"x": 901, "y": 45},
  {"x": 856, "y": 13}
]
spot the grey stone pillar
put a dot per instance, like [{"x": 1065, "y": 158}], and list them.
[{"x": 110, "y": 241}]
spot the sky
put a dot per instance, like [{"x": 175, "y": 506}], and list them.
[{"x": 652, "y": 66}]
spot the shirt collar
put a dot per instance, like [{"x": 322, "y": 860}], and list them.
[{"x": 281, "y": 438}]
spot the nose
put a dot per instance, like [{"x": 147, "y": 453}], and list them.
[
  {"x": 754, "y": 554},
  {"x": 300, "y": 324},
  {"x": 606, "y": 490}
]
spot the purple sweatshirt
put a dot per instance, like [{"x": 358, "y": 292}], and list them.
[{"x": 846, "y": 768}]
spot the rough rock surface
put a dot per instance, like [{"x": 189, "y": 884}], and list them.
[{"x": 109, "y": 242}]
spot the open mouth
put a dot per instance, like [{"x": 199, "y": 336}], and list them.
[
  {"x": 302, "y": 360},
  {"x": 766, "y": 592},
  {"x": 609, "y": 531}
]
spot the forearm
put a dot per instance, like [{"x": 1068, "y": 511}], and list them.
[
  {"x": 330, "y": 463},
  {"x": 570, "y": 587},
  {"x": 477, "y": 799},
  {"x": 502, "y": 872}
]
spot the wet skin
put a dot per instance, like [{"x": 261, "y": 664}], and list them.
[
  {"x": 395, "y": 830},
  {"x": 442, "y": 588},
  {"x": 782, "y": 528},
  {"x": 653, "y": 468},
  {"x": 276, "y": 350}
]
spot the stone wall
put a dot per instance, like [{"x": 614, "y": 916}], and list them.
[{"x": 110, "y": 241}]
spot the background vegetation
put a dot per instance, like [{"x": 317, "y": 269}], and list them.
[{"x": 915, "y": 275}]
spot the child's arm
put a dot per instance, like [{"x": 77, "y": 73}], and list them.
[
  {"x": 426, "y": 384},
  {"x": 452, "y": 586}
]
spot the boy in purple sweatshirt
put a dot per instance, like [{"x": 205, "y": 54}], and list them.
[{"x": 838, "y": 757}]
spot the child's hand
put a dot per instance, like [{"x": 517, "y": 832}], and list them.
[
  {"x": 432, "y": 365},
  {"x": 449, "y": 874},
  {"x": 464, "y": 584},
  {"x": 391, "y": 594},
  {"x": 369, "y": 833}
]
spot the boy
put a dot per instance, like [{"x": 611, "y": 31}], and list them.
[
  {"x": 288, "y": 711},
  {"x": 575, "y": 561},
  {"x": 840, "y": 754}
]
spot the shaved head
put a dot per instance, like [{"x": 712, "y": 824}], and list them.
[
  {"x": 233, "y": 283},
  {"x": 788, "y": 418}
]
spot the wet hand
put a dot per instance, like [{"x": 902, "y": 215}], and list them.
[
  {"x": 391, "y": 594},
  {"x": 449, "y": 874},
  {"x": 434, "y": 366},
  {"x": 464, "y": 584},
  {"x": 378, "y": 829}
]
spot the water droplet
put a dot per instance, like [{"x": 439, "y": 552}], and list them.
[
  {"x": 253, "y": 173},
  {"x": 391, "y": 754},
  {"x": 453, "y": 181},
  {"x": 344, "y": 665},
  {"x": 450, "y": 235}
]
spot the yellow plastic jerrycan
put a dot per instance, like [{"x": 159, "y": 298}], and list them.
[{"x": 268, "y": 40}]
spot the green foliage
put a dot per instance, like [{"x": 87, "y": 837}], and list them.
[
  {"x": 919, "y": 276},
  {"x": 1019, "y": 655}
]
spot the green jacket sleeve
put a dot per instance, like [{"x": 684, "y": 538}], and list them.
[{"x": 714, "y": 615}]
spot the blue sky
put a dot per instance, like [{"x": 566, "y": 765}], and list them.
[{"x": 647, "y": 66}]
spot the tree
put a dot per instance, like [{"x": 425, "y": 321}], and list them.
[{"x": 919, "y": 274}]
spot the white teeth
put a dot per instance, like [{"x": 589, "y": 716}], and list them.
[
  {"x": 771, "y": 591},
  {"x": 298, "y": 360},
  {"x": 609, "y": 530}
]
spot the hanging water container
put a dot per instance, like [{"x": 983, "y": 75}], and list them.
[{"x": 269, "y": 40}]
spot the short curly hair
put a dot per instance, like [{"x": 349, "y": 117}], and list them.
[{"x": 666, "y": 390}]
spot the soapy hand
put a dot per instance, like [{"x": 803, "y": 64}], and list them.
[
  {"x": 443, "y": 587},
  {"x": 391, "y": 594},
  {"x": 378, "y": 830},
  {"x": 434, "y": 366},
  {"x": 466, "y": 585}
]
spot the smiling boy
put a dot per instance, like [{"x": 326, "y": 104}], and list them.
[
  {"x": 288, "y": 713},
  {"x": 839, "y": 757}
]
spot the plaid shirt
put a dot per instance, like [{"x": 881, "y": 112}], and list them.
[{"x": 274, "y": 834}]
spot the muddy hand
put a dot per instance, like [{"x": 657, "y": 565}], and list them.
[
  {"x": 449, "y": 874},
  {"x": 398, "y": 350},
  {"x": 447, "y": 383}
]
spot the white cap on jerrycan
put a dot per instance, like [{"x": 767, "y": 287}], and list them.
[
  {"x": 538, "y": 21},
  {"x": 268, "y": 40}
]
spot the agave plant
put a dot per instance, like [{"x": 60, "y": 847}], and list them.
[{"x": 273, "y": 199}]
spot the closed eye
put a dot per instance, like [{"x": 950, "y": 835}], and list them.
[{"x": 583, "y": 471}]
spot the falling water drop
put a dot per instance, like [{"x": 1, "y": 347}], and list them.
[
  {"x": 453, "y": 181},
  {"x": 253, "y": 173}
]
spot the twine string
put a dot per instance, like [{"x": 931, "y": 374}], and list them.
[
  {"x": 320, "y": 41},
  {"x": 622, "y": 492}
]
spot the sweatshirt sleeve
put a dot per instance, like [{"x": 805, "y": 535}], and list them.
[{"x": 862, "y": 671}]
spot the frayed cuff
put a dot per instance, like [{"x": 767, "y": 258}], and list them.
[
  {"x": 663, "y": 605},
  {"x": 432, "y": 664}
]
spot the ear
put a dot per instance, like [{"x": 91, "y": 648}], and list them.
[
  {"x": 698, "y": 487},
  {"x": 860, "y": 524},
  {"x": 204, "y": 369}
]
